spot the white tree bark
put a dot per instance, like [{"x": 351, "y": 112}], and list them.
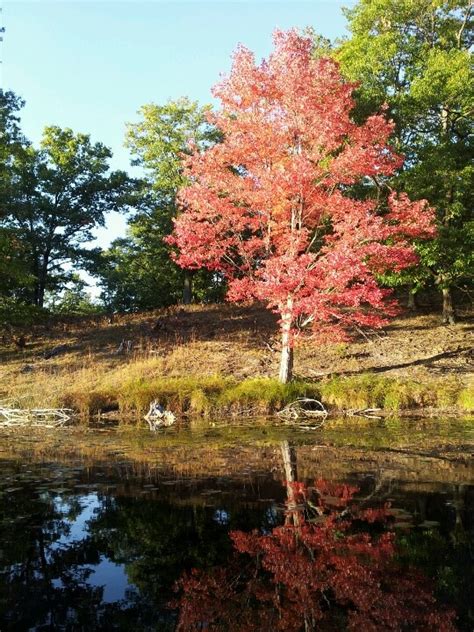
[{"x": 286, "y": 359}]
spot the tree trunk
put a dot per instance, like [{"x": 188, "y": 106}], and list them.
[
  {"x": 286, "y": 360},
  {"x": 42, "y": 278},
  {"x": 41, "y": 290},
  {"x": 288, "y": 454},
  {"x": 188, "y": 288},
  {"x": 449, "y": 316},
  {"x": 36, "y": 294},
  {"x": 411, "y": 302}
]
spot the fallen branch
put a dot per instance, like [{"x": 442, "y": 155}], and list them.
[
  {"x": 157, "y": 416},
  {"x": 363, "y": 412},
  {"x": 38, "y": 417},
  {"x": 303, "y": 408}
]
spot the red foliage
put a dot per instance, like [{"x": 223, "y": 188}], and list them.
[
  {"x": 271, "y": 207},
  {"x": 325, "y": 572}
]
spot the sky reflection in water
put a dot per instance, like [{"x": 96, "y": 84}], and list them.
[{"x": 90, "y": 549}]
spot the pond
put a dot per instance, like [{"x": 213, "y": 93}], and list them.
[{"x": 258, "y": 526}]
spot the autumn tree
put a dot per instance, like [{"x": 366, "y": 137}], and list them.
[
  {"x": 271, "y": 205},
  {"x": 417, "y": 56}
]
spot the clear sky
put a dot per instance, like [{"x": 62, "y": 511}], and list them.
[{"x": 89, "y": 65}]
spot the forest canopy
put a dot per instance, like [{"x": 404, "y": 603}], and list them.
[{"x": 403, "y": 62}]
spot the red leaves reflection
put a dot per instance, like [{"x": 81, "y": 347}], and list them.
[{"x": 331, "y": 566}]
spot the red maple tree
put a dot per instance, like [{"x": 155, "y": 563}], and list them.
[{"x": 271, "y": 206}]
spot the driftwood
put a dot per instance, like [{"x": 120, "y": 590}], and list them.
[
  {"x": 37, "y": 417},
  {"x": 363, "y": 412},
  {"x": 125, "y": 346},
  {"x": 158, "y": 417},
  {"x": 303, "y": 408}
]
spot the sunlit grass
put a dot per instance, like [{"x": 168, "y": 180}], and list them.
[
  {"x": 216, "y": 362},
  {"x": 129, "y": 390},
  {"x": 391, "y": 394}
]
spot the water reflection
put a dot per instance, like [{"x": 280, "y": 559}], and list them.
[
  {"x": 103, "y": 548},
  {"x": 331, "y": 566},
  {"x": 99, "y": 561}
]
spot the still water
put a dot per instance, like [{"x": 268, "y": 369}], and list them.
[{"x": 208, "y": 526}]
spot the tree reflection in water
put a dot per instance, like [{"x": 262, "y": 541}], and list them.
[
  {"x": 77, "y": 559},
  {"x": 330, "y": 566}
]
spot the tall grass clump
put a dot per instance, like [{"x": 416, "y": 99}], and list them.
[
  {"x": 88, "y": 403},
  {"x": 266, "y": 395},
  {"x": 89, "y": 394},
  {"x": 211, "y": 395},
  {"x": 393, "y": 394},
  {"x": 465, "y": 399},
  {"x": 365, "y": 391},
  {"x": 180, "y": 394}
]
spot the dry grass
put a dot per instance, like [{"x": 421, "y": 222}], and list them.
[{"x": 208, "y": 359}]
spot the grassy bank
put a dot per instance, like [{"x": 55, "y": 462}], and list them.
[
  {"x": 219, "y": 395},
  {"x": 216, "y": 395},
  {"x": 220, "y": 360}
]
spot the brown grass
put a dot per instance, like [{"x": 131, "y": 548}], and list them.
[{"x": 204, "y": 359}]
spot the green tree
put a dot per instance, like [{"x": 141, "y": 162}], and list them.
[
  {"x": 12, "y": 142},
  {"x": 137, "y": 273},
  {"x": 54, "y": 199},
  {"x": 74, "y": 300},
  {"x": 416, "y": 56},
  {"x": 158, "y": 143},
  {"x": 13, "y": 269}
]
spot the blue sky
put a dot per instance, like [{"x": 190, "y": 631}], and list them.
[{"x": 89, "y": 65}]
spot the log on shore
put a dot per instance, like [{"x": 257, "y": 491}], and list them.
[{"x": 37, "y": 417}]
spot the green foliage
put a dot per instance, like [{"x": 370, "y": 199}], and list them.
[
  {"x": 74, "y": 300},
  {"x": 16, "y": 313},
  {"x": 55, "y": 197},
  {"x": 137, "y": 272},
  {"x": 12, "y": 142},
  {"x": 14, "y": 272},
  {"x": 417, "y": 57},
  {"x": 13, "y": 269},
  {"x": 164, "y": 133}
]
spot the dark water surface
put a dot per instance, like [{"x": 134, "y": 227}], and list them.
[{"x": 349, "y": 526}]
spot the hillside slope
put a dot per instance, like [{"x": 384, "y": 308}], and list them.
[{"x": 226, "y": 340}]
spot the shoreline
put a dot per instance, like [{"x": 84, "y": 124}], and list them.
[
  {"x": 365, "y": 395},
  {"x": 219, "y": 360}
]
